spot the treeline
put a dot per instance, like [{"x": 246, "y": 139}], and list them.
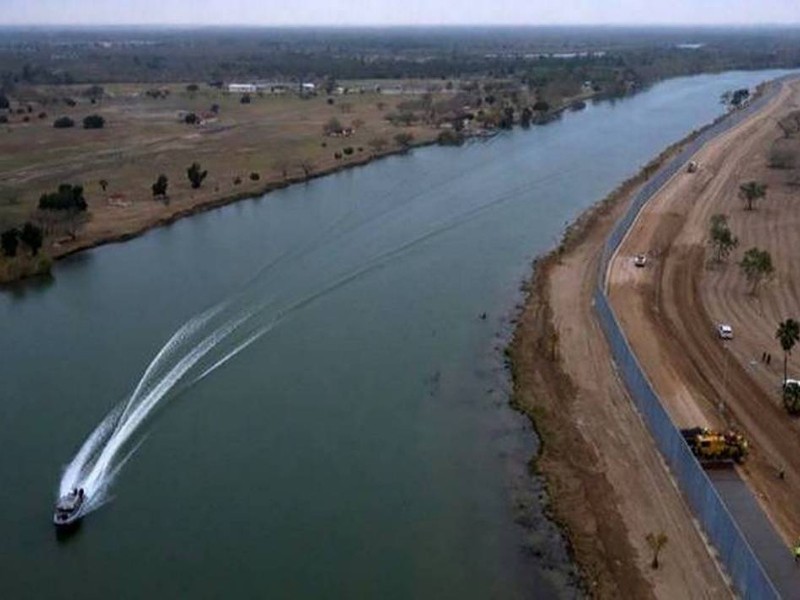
[{"x": 642, "y": 55}]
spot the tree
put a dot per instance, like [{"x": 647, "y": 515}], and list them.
[
  {"x": 752, "y": 191},
  {"x": 4, "y": 103},
  {"x": 68, "y": 197},
  {"x": 94, "y": 122},
  {"x": 160, "y": 187},
  {"x": 245, "y": 99},
  {"x": 103, "y": 184},
  {"x": 722, "y": 239},
  {"x": 332, "y": 127},
  {"x": 788, "y": 334},
  {"x": 404, "y": 139},
  {"x": 63, "y": 123},
  {"x": 191, "y": 119},
  {"x": 656, "y": 541},
  {"x": 9, "y": 240},
  {"x": 525, "y": 117},
  {"x": 32, "y": 236},
  {"x": 756, "y": 265},
  {"x": 195, "y": 175},
  {"x": 192, "y": 88}
]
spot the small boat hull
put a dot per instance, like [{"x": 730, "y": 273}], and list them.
[{"x": 69, "y": 509}]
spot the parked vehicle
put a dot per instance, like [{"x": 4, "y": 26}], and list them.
[{"x": 725, "y": 331}]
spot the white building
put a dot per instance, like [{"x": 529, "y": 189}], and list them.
[{"x": 242, "y": 88}]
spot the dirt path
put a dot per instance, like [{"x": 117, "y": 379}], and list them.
[
  {"x": 609, "y": 484},
  {"x": 669, "y": 309}
]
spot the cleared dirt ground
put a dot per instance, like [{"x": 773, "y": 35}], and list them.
[
  {"x": 669, "y": 309},
  {"x": 609, "y": 484}
]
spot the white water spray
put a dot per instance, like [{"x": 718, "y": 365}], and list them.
[{"x": 209, "y": 340}]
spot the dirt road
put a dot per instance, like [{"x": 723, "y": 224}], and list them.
[
  {"x": 609, "y": 484},
  {"x": 669, "y": 308}
]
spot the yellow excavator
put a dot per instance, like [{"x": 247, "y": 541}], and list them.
[{"x": 713, "y": 447}]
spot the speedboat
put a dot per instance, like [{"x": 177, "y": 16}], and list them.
[{"x": 68, "y": 508}]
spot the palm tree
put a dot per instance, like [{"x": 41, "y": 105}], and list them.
[
  {"x": 656, "y": 541},
  {"x": 788, "y": 335},
  {"x": 752, "y": 191}
]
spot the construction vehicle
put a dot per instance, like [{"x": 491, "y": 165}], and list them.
[{"x": 714, "y": 448}]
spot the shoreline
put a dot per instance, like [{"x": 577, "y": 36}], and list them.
[
  {"x": 214, "y": 203},
  {"x": 541, "y": 388},
  {"x": 18, "y": 272}
]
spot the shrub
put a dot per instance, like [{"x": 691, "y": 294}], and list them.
[
  {"x": 94, "y": 122},
  {"x": 4, "y": 103},
  {"x": 541, "y": 106},
  {"x": 237, "y": 180},
  {"x": 348, "y": 150},
  {"x": 63, "y": 123},
  {"x": 192, "y": 87},
  {"x": 191, "y": 119},
  {"x": 404, "y": 139},
  {"x": 333, "y": 126},
  {"x": 246, "y": 99},
  {"x": 330, "y": 101},
  {"x": 9, "y": 240},
  {"x": 449, "y": 137},
  {"x": 337, "y": 155},
  {"x": 3, "y": 119},
  {"x": 159, "y": 187},
  {"x": 42, "y": 115},
  {"x": 254, "y": 176}
]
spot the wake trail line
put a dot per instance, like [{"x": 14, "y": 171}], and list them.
[{"x": 210, "y": 339}]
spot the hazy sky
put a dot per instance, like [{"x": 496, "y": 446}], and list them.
[{"x": 399, "y": 12}]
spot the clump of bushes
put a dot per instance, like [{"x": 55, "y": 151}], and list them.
[
  {"x": 450, "y": 137},
  {"x": 63, "y": 123},
  {"x": 68, "y": 197},
  {"x": 94, "y": 122}
]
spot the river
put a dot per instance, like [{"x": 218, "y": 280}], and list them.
[{"x": 346, "y": 432}]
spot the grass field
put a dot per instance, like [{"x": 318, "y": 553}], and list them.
[{"x": 144, "y": 137}]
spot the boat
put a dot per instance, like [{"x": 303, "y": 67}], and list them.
[{"x": 68, "y": 508}]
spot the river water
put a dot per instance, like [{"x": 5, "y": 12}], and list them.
[{"x": 345, "y": 430}]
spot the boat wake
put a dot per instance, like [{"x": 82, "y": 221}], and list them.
[{"x": 346, "y": 251}]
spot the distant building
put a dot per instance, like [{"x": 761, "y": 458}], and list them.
[
  {"x": 309, "y": 88},
  {"x": 242, "y": 88}
]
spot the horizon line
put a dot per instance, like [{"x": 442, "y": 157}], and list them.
[{"x": 743, "y": 25}]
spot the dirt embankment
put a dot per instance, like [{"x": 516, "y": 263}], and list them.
[
  {"x": 608, "y": 484},
  {"x": 669, "y": 309}
]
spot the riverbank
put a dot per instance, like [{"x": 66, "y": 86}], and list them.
[{"x": 607, "y": 485}]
